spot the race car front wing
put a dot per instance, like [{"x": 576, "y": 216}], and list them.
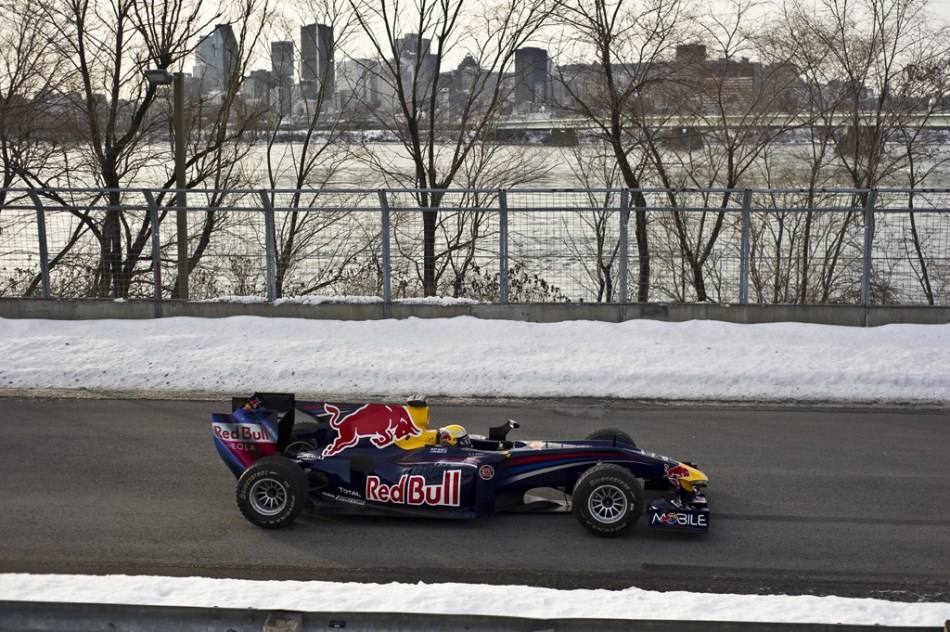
[{"x": 665, "y": 514}]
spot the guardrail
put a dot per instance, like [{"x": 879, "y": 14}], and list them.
[
  {"x": 840, "y": 315},
  {"x": 32, "y": 616},
  {"x": 605, "y": 246}
]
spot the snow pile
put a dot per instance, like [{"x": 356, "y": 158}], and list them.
[
  {"x": 521, "y": 601},
  {"x": 469, "y": 357}
]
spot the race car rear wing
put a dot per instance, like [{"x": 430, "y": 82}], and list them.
[{"x": 283, "y": 404}]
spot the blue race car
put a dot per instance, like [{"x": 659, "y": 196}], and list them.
[{"x": 384, "y": 458}]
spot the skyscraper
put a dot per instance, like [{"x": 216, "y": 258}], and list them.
[
  {"x": 416, "y": 67},
  {"x": 533, "y": 81},
  {"x": 216, "y": 60},
  {"x": 411, "y": 47},
  {"x": 316, "y": 60},
  {"x": 358, "y": 85},
  {"x": 282, "y": 70}
]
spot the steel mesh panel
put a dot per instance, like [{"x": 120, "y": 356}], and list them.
[
  {"x": 804, "y": 247},
  {"x": 19, "y": 254}
]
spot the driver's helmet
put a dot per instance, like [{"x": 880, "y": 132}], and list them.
[{"x": 454, "y": 436}]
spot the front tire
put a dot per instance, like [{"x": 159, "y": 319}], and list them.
[
  {"x": 272, "y": 492},
  {"x": 608, "y": 500}
]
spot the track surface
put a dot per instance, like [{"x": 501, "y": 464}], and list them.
[{"x": 823, "y": 501}]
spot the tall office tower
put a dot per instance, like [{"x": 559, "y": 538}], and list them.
[
  {"x": 216, "y": 60},
  {"x": 416, "y": 66},
  {"x": 532, "y": 77},
  {"x": 412, "y": 46},
  {"x": 316, "y": 60},
  {"x": 358, "y": 85},
  {"x": 282, "y": 71}
]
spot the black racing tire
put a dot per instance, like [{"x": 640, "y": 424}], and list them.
[
  {"x": 611, "y": 434},
  {"x": 272, "y": 492},
  {"x": 296, "y": 444},
  {"x": 607, "y": 499}
]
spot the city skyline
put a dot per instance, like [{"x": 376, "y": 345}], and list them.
[{"x": 300, "y": 71}]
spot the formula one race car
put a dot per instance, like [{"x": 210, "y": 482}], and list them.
[{"x": 384, "y": 458}]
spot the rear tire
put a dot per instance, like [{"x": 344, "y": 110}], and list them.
[
  {"x": 607, "y": 500},
  {"x": 611, "y": 434},
  {"x": 272, "y": 492}
]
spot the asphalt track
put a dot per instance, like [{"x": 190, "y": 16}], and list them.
[{"x": 805, "y": 501}]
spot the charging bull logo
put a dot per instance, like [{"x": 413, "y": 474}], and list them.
[
  {"x": 674, "y": 474},
  {"x": 383, "y": 425}
]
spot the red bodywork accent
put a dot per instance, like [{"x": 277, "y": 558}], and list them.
[{"x": 382, "y": 424}]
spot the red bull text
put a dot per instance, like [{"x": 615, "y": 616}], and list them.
[
  {"x": 244, "y": 433},
  {"x": 246, "y": 442},
  {"x": 412, "y": 490}
]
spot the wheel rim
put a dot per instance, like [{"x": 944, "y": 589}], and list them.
[
  {"x": 268, "y": 496},
  {"x": 608, "y": 504}
]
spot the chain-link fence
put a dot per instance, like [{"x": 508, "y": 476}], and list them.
[{"x": 858, "y": 247}]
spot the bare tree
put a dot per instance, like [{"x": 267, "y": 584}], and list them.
[
  {"x": 29, "y": 78},
  {"x": 598, "y": 244},
  {"x": 220, "y": 130},
  {"x": 106, "y": 46},
  {"x": 621, "y": 47},
  {"x": 311, "y": 221},
  {"x": 412, "y": 43},
  {"x": 872, "y": 79},
  {"x": 739, "y": 108}
]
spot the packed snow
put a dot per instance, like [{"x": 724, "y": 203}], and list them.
[
  {"x": 467, "y": 357},
  {"x": 519, "y": 601}
]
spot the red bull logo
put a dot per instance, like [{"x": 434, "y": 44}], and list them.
[
  {"x": 383, "y": 425},
  {"x": 412, "y": 490},
  {"x": 677, "y": 472}
]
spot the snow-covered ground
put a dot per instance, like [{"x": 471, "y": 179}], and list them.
[
  {"x": 519, "y": 601},
  {"x": 466, "y": 357},
  {"x": 469, "y": 357}
]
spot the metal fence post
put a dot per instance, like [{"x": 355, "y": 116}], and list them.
[
  {"x": 270, "y": 244},
  {"x": 624, "y": 250},
  {"x": 44, "y": 246},
  {"x": 868, "y": 245},
  {"x": 156, "y": 251},
  {"x": 744, "y": 262},
  {"x": 387, "y": 271},
  {"x": 503, "y": 246}
]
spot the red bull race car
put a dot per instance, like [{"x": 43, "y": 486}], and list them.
[{"x": 384, "y": 458}]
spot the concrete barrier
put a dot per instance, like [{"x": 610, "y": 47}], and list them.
[
  {"x": 23, "y": 616},
  {"x": 847, "y": 315}
]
